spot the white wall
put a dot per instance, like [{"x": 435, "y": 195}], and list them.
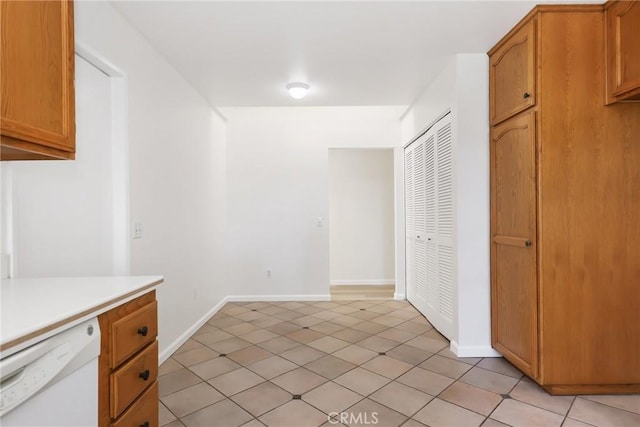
[
  {"x": 472, "y": 210},
  {"x": 63, "y": 211},
  {"x": 462, "y": 87},
  {"x": 277, "y": 174},
  {"x": 177, "y": 172},
  {"x": 361, "y": 217}
]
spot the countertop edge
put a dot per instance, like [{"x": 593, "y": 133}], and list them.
[{"x": 17, "y": 344}]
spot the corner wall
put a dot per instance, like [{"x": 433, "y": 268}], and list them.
[
  {"x": 277, "y": 164},
  {"x": 463, "y": 87}
]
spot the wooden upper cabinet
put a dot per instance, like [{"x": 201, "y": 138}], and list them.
[
  {"x": 623, "y": 51},
  {"x": 513, "y": 85},
  {"x": 37, "y": 80}
]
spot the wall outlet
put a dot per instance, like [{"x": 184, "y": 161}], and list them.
[{"x": 137, "y": 230}]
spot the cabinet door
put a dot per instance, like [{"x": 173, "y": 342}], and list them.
[
  {"x": 513, "y": 246},
  {"x": 623, "y": 50},
  {"x": 512, "y": 74},
  {"x": 37, "y": 64}
]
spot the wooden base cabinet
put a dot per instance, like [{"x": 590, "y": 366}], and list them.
[
  {"x": 128, "y": 364},
  {"x": 565, "y": 208}
]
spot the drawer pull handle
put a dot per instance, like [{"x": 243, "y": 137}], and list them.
[
  {"x": 526, "y": 95},
  {"x": 143, "y": 331},
  {"x": 527, "y": 243},
  {"x": 144, "y": 375},
  {"x": 145, "y": 424}
]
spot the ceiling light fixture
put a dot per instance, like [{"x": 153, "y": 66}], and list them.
[{"x": 297, "y": 90}]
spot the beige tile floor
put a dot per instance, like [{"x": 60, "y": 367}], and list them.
[{"x": 292, "y": 364}]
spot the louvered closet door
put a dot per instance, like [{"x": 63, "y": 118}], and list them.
[
  {"x": 409, "y": 222},
  {"x": 419, "y": 217},
  {"x": 430, "y": 254},
  {"x": 445, "y": 229}
]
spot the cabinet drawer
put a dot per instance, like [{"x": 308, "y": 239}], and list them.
[
  {"x": 512, "y": 74},
  {"x": 144, "y": 412},
  {"x": 133, "y": 378},
  {"x": 133, "y": 332}
]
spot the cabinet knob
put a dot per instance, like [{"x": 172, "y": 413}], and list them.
[
  {"x": 143, "y": 331},
  {"x": 145, "y": 375},
  {"x": 527, "y": 243},
  {"x": 145, "y": 424},
  {"x": 526, "y": 95}
]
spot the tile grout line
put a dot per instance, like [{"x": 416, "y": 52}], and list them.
[{"x": 322, "y": 321}]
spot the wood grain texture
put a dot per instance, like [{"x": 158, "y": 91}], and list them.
[
  {"x": 572, "y": 389},
  {"x": 588, "y": 205},
  {"x": 37, "y": 76},
  {"x": 512, "y": 85},
  {"x": 623, "y": 51},
  {"x": 589, "y": 209},
  {"x": 105, "y": 367},
  {"x": 361, "y": 292},
  {"x": 513, "y": 213},
  {"x": 128, "y": 381},
  {"x": 15, "y": 149},
  {"x": 144, "y": 410}
]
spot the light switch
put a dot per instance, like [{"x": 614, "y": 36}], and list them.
[
  {"x": 320, "y": 222},
  {"x": 137, "y": 230}
]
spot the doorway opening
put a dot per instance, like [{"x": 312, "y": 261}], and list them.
[{"x": 361, "y": 223}]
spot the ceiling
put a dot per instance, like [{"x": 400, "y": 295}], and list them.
[{"x": 241, "y": 54}]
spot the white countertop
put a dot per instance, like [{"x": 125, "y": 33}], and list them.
[{"x": 34, "y": 309}]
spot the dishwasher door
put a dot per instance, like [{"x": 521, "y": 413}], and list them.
[{"x": 54, "y": 382}]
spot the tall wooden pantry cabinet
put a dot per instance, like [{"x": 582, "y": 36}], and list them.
[{"x": 565, "y": 206}]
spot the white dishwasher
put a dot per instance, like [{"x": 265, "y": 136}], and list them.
[{"x": 53, "y": 383}]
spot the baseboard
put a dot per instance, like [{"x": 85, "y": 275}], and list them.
[
  {"x": 248, "y": 298},
  {"x": 167, "y": 352},
  {"x": 399, "y": 297},
  {"x": 473, "y": 350},
  {"x": 364, "y": 282}
]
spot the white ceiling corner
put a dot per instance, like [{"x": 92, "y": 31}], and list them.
[{"x": 241, "y": 53}]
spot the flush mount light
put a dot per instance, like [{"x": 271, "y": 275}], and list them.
[{"x": 297, "y": 90}]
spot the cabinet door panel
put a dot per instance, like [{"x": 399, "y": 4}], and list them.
[
  {"x": 513, "y": 253},
  {"x": 512, "y": 75},
  {"x": 623, "y": 44},
  {"x": 37, "y": 57}
]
